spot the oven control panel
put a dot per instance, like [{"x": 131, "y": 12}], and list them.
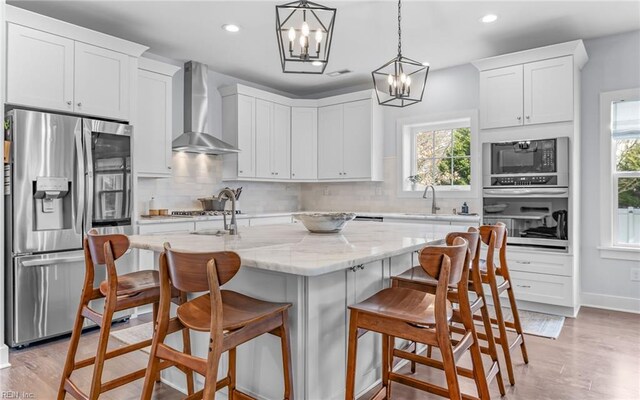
[{"x": 538, "y": 180}]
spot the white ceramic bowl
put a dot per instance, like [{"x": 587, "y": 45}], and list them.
[{"x": 329, "y": 222}]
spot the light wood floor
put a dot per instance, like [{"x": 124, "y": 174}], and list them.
[{"x": 596, "y": 357}]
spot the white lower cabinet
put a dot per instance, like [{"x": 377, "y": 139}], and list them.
[
  {"x": 145, "y": 257},
  {"x": 542, "y": 288}
]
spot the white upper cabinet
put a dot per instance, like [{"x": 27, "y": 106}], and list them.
[
  {"x": 281, "y": 142},
  {"x": 348, "y": 142},
  {"x": 548, "y": 91},
  {"x": 264, "y": 128},
  {"x": 335, "y": 138},
  {"x": 531, "y": 87},
  {"x": 49, "y": 71},
  {"x": 153, "y": 134},
  {"x": 101, "y": 82},
  {"x": 304, "y": 143},
  {"x": 273, "y": 138},
  {"x": 39, "y": 69},
  {"x": 239, "y": 129},
  {"x": 501, "y": 97},
  {"x": 357, "y": 139},
  {"x": 330, "y": 142}
]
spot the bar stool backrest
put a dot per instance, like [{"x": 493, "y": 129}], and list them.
[
  {"x": 101, "y": 245},
  {"x": 434, "y": 258},
  {"x": 188, "y": 271},
  {"x": 497, "y": 233},
  {"x": 472, "y": 236}
]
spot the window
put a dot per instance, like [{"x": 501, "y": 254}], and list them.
[
  {"x": 625, "y": 138},
  {"x": 439, "y": 151},
  {"x": 442, "y": 157},
  {"x": 620, "y": 174}
]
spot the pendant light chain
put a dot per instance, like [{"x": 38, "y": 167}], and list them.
[{"x": 399, "y": 28}]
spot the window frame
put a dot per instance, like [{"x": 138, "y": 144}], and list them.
[
  {"x": 407, "y": 128},
  {"x": 609, "y": 247}
]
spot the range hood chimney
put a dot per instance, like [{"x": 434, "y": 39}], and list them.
[{"x": 196, "y": 122}]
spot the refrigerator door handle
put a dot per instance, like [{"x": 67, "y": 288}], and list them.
[
  {"x": 51, "y": 261},
  {"x": 89, "y": 174},
  {"x": 80, "y": 202}
]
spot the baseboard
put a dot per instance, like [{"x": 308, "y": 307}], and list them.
[
  {"x": 4, "y": 356},
  {"x": 609, "y": 302}
]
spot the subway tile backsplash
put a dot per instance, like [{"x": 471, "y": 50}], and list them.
[{"x": 198, "y": 175}]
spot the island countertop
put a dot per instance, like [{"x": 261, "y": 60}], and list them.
[{"x": 291, "y": 249}]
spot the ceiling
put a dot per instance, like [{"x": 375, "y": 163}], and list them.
[{"x": 444, "y": 33}]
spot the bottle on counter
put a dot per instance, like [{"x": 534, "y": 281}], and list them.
[{"x": 465, "y": 208}]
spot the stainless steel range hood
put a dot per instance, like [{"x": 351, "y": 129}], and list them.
[{"x": 196, "y": 123}]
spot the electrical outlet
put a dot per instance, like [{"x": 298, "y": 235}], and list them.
[{"x": 635, "y": 274}]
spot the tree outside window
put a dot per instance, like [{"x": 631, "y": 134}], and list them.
[{"x": 443, "y": 157}]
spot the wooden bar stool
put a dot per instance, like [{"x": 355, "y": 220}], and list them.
[
  {"x": 495, "y": 237},
  {"x": 230, "y": 318},
  {"x": 121, "y": 292},
  {"x": 416, "y": 278},
  {"x": 423, "y": 318}
]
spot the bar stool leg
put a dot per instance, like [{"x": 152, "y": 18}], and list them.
[
  {"x": 186, "y": 343},
  {"x": 73, "y": 349},
  {"x": 103, "y": 341},
  {"x": 504, "y": 339},
  {"x": 352, "y": 352},
  {"x": 476, "y": 355},
  {"x": 449, "y": 368},
  {"x": 516, "y": 321},
  {"x": 286, "y": 357},
  {"x": 231, "y": 373},
  {"x": 213, "y": 358},
  {"x": 155, "y": 319},
  {"x": 385, "y": 362},
  {"x": 491, "y": 344}
]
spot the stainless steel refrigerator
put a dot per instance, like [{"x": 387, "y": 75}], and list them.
[{"x": 66, "y": 175}]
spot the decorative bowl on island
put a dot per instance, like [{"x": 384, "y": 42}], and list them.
[{"x": 324, "y": 222}]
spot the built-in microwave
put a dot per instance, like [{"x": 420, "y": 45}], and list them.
[{"x": 541, "y": 162}]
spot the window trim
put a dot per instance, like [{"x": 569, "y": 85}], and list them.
[
  {"x": 608, "y": 179},
  {"x": 405, "y": 159}
]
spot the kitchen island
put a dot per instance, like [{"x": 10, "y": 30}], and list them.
[{"x": 320, "y": 274}]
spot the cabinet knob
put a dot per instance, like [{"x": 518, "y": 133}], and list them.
[
  {"x": 79, "y": 104},
  {"x": 293, "y": 174},
  {"x": 69, "y": 102},
  {"x": 240, "y": 171},
  {"x": 519, "y": 118},
  {"x": 528, "y": 117},
  {"x": 276, "y": 173}
]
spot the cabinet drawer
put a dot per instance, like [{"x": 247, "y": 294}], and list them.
[
  {"x": 162, "y": 228},
  {"x": 553, "y": 264},
  {"x": 541, "y": 288}
]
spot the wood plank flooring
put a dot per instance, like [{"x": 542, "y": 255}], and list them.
[{"x": 597, "y": 356}]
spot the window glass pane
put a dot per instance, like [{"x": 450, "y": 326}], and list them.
[
  {"x": 442, "y": 143},
  {"x": 626, "y": 119},
  {"x": 442, "y": 172},
  {"x": 628, "y": 155},
  {"x": 628, "y": 213},
  {"x": 424, "y": 145},
  {"x": 462, "y": 171},
  {"x": 461, "y": 142}
]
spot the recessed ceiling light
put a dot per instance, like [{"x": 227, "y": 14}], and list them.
[
  {"x": 426, "y": 63},
  {"x": 489, "y": 18},
  {"x": 338, "y": 73},
  {"x": 231, "y": 28},
  {"x": 317, "y": 63}
]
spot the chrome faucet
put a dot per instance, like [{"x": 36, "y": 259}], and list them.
[
  {"x": 434, "y": 207},
  {"x": 233, "y": 226}
]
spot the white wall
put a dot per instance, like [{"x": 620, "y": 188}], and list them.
[
  {"x": 614, "y": 64},
  {"x": 196, "y": 176}
]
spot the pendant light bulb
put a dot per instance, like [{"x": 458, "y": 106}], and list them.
[
  {"x": 305, "y": 29},
  {"x": 390, "y": 79},
  {"x": 408, "y": 82},
  {"x": 319, "y": 35},
  {"x": 292, "y": 34},
  {"x": 403, "y": 78}
]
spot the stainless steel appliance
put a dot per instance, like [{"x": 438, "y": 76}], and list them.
[
  {"x": 66, "y": 175},
  {"x": 536, "y": 163}
]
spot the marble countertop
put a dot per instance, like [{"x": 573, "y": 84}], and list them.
[
  {"x": 425, "y": 217},
  {"x": 172, "y": 219},
  {"x": 290, "y": 248}
]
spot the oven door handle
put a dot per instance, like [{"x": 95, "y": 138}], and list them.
[{"x": 510, "y": 192}]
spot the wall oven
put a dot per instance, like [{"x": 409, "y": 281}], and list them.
[
  {"x": 543, "y": 162},
  {"x": 526, "y": 186}
]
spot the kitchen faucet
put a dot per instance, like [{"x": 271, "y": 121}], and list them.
[
  {"x": 434, "y": 208},
  {"x": 233, "y": 226}
]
